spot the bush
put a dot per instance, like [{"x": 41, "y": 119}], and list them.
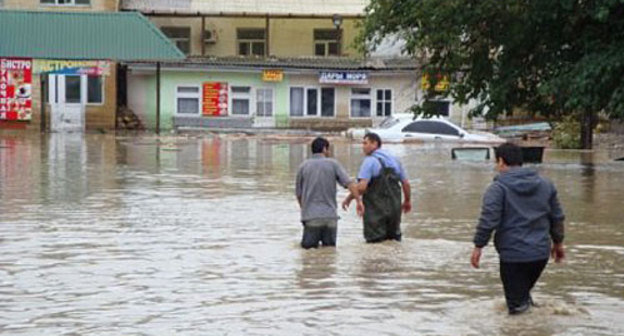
[{"x": 567, "y": 133}]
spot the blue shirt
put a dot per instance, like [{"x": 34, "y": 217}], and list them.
[{"x": 371, "y": 167}]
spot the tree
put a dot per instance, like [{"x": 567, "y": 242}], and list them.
[{"x": 551, "y": 58}]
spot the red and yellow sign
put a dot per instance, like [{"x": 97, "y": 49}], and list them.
[
  {"x": 272, "y": 75},
  {"x": 441, "y": 85},
  {"x": 215, "y": 99},
  {"x": 15, "y": 89}
]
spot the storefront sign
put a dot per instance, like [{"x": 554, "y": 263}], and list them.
[
  {"x": 94, "y": 68},
  {"x": 15, "y": 89},
  {"x": 343, "y": 77},
  {"x": 442, "y": 84},
  {"x": 214, "y": 99},
  {"x": 272, "y": 75}
]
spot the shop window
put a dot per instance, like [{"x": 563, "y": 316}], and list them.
[
  {"x": 264, "y": 102},
  {"x": 94, "y": 90},
  {"x": 66, "y": 2},
  {"x": 72, "y": 89},
  {"x": 312, "y": 102},
  {"x": 326, "y": 42},
  {"x": 250, "y": 41},
  {"x": 327, "y": 102},
  {"x": 440, "y": 108},
  {"x": 241, "y": 100},
  {"x": 187, "y": 100},
  {"x": 180, "y": 36},
  {"x": 360, "y": 103},
  {"x": 296, "y": 101},
  {"x": 384, "y": 102}
]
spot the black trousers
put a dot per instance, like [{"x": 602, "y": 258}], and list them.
[{"x": 518, "y": 280}]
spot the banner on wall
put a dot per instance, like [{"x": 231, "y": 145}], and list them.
[
  {"x": 66, "y": 67},
  {"x": 15, "y": 89},
  {"x": 215, "y": 99},
  {"x": 272, "y": 75},
  {"x": 341, "y": 77},
  {"x": 442, "y": 84}
]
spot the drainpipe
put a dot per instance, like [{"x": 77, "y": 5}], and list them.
[
  {"x": 42, "y": 79},
  {"x": 158, "y": 98}
]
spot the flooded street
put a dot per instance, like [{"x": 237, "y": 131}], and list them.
[{"x": 199, "y": 235}]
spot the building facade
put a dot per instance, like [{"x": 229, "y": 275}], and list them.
[
  {"x": 58, "y": 68},
  {"x": 278, "y": 64},
  {"x": 96, "y": 91}
]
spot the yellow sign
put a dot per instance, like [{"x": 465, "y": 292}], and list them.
[
  {"x": 40, "y": 66},
  {"x": 442, "y": 84},
  {"x": 272, "y": 75}
]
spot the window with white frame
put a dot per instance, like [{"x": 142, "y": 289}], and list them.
[
  {"x": 188, "y": 100},
  {"x": 180, "y": 36},
  {"x": 326, "y": 42},
  {"x": 297, "y": 101},
  {"x": 328, "y": 102},
  {"x": 241, "y": 100},
  {"x": 312, "y": 102},
  {"x": 360, "y": 102},
  {"x": 66, "y": 2},
  {"x": 73, "y": 89},
  {"x": 264, "y": 102},
  {"x": 384, "y": 102},
  {"x": 250, "y": 41}
]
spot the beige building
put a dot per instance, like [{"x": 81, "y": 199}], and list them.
[{"x": 62, "y": 5}]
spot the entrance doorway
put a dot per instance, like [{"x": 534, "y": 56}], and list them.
[{"x": 68, "y": 98}]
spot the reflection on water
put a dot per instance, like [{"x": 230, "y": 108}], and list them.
[{"x": 106, "y": 235}]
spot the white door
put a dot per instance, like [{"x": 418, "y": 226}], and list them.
[
  {"x": 265, "y": 116},
  {"x": 68, "y": 98}
]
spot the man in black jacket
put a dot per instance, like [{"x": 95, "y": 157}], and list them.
[{"x": 523, "y": 210}]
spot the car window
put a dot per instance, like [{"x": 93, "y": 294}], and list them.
[
  {"x": 430, "y": 127},
  {"x": 389, "y": 122}
]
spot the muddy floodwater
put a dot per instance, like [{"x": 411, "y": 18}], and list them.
[{"x": 198, "y": 235}]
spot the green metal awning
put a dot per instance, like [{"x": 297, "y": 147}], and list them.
[{"x": 126, "y": 36}]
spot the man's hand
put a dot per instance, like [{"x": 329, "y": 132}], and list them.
[
  {"x": 557, "y": 252},
  {"x": 346, "y": 203},
  {"x": 476, "y": 256},
  {"x": 406, "y": 206},
  {"x": 360, "y": 208}
]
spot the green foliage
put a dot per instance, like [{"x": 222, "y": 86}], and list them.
[
  {"x": 567, "y": 133},
  {"x": 551, "y": 58}
]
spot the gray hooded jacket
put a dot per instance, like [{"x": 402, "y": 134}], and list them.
[{"x": 523, "y": 210}]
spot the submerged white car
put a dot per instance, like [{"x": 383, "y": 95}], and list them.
[{"x": 402, "y": 128}]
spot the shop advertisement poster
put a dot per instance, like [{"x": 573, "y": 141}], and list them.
[
  {"x": 215, "y": 99},
  {"x": 67, "y": 67},
  {"x": 15, "y": 89}
]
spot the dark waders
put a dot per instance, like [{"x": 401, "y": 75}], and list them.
[{"x": 382, "y": 207}]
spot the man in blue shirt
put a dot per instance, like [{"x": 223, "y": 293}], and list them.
[{"x": 380, "y": 181}]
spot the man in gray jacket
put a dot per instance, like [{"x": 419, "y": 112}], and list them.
[
  {"x": 315, "y": 188},
  {"x": 523, "y": 210}
]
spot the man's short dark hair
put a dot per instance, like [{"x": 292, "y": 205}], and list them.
[
  {"x": 510, "y": 153},
  {"x": 319, "y": 144},
  {"x": 373, "y": 137}
]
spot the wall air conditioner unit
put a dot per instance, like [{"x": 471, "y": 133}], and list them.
[{"x": 210, "y": 36}]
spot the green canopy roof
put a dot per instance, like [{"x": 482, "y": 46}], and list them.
[{"x": 126, "y": 36}]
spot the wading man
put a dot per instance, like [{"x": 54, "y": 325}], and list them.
[
  {"x": 523, "y": 211},
  {"x": 316, "y": 192},
  {"x": 380, "y": 181}
]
